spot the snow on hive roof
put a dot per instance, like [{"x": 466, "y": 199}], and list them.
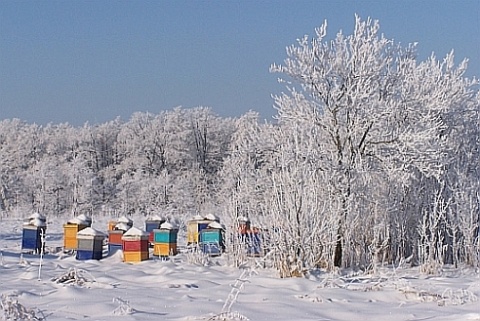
[
  {"x": 35, "y": 222},
  {"x": 77, "y": 220},
  {"x": 155, "y": 218},
  {"x": 84, "y": 218},
  {"x": 197, "y": 218},
  {"x": 215, "y": 225},
  {"x": 211, "y": 217},
  {"x": 124, "y": 219},
  {"x": 167, "y": 226},
  {"x": 38, "y": 216},
  {"x": 122, "y": 226},
  {"x": 88, "y": 231},
  {"x": 135, "y": 232}
]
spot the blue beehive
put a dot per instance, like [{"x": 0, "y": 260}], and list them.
[
  {"x": 33, "y": 231},
  {"x": 254, "y": 244},
  {"x": 151, "y": 224},
  {"x": 32, "y": 238},
  {"x": 211, "y": 249},
  {"x": 88, "y": 255},
  {"x": 211, "y": 239}
]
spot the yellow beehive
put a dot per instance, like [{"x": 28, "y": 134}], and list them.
[
  {"x": 192, "y": 232},
  {"x": 194, "y": 227},
  {"x": 111, "y": 225},
  {"x": 70, "y": 235},
  {"x": 135, "y": 256}
]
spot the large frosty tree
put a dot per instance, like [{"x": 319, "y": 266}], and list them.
[{"x": 371, "y": 123}]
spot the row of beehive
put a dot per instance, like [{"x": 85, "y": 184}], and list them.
[
  {"x": 207, "y": 233},
  {"x": 134, "y": 244},
  {"x": 162, "y": 236}
]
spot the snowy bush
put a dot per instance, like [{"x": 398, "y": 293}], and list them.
[
  {"x": 237, "y": 287},
  {"x": 195, "y": 256},
  {"x": 12, "y": 310},
  {"x": 123, "y": 308},
  {"x": 229, "y": 316},
  {"x": 74, "y": 277},
  {"x": 457, "y": 297}
]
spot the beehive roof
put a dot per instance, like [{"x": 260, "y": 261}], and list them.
[
  {"x": 35, "y": 222},
  {"x": 90, "y": 232},
  {"x": 38, "y": 216},
  {"x": 84, "y": 217},
  {"x": 167, "y": 226},
  {"x": 77, "y": 220},
  {"x": 155, "y": 218},
  {"x": 124, "y": 219},
  {"x": 211, "y": 217},
  {"x": 134, "y": 231},
  {"x": 122, "y": 226},
  {"x": 215, "y": 225}
]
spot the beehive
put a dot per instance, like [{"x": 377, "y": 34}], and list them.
[
  {"x": 115, "y": 237},
  {"x": 33, "y": 231},
  {"x": 196, "y": 225},
  {"x": 254, "y": 243},
  {"x": 211, "y": 239},
  {"x": 70, "y": 231},
  {"x": 115, "y": 240},
  {"x": 243, "y": 225},
  {"x": 126, "y": 220},
  {"x": 135, "y": 245},
  {"x": 84, "y": 219},
  {"x": 165, "y": 240},
  {"x": 89, "y": 244},
  {"x": 151, "y": 224},
  {"x": 111, "y": 225}
]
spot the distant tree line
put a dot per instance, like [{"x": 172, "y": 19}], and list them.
[
  {"x": 149, "y": 164},
  {"x": 373, "y": 159}
]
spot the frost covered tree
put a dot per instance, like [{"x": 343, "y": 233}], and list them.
[
  {"x": 245, "y": 180},
  {"x": 379, "y": 123}
]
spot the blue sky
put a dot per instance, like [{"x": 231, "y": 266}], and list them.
[{"x": 79, "y": 61}]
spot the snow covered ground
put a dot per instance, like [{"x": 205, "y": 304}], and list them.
[{"x": 180, "y": 289}]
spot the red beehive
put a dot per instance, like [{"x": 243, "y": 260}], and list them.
[
  {"x": 135, "y": 245},
  {"x": 243, "y": 225},
  {"x": 115, "y": 237}
]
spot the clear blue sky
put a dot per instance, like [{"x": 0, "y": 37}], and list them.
[{"x": 79, "y": 61}]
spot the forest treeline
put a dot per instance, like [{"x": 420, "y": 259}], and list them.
[
  {"x": 373, "y": 158},
  {"x": 167, "y": 162}
]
